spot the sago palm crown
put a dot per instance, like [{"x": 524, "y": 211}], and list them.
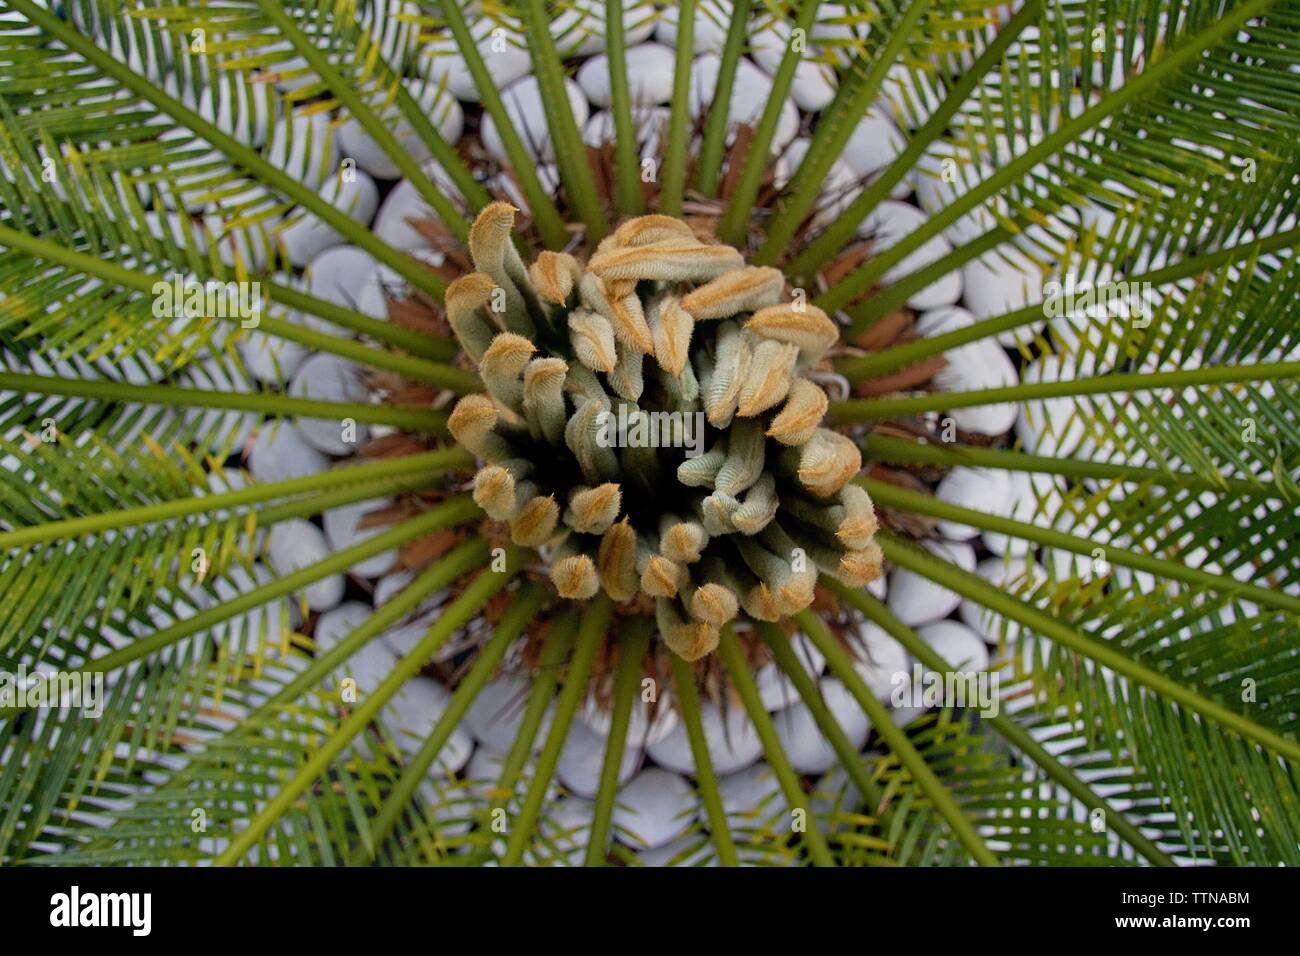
[{"x": 629, "y": 433}]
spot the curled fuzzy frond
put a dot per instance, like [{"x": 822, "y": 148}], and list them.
[
  {"x": 827, "y": 462},
  {"x": 663, "y": 479},
  {"x": 744, "y": 290},
  {"x": 575, "y": 577},
  {"x": 804, "y": 326},
  {"x": 669, "y": 260},
  {"x": 593, "y": 510},
  {"x": 555, "y": 275},
  {"x": 805, "y": 408}
]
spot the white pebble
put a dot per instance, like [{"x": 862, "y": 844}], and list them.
[
  {"x": 654, "y": 808},
  {"x": 915, "y": 599},
  {"x": 296, "y": 544}
]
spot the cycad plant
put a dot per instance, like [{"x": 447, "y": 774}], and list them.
[{"x": 729, "y": 432}]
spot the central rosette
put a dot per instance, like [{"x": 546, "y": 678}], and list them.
[{"x": 650, "y": 426}]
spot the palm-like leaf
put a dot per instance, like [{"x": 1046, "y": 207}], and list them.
[{"x": 1149, "y": 668}]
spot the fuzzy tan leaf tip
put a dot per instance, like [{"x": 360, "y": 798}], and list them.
[
  {"x": 471, "y": 291},
  {"x": 535, "y": 522},
  {"x": 668, "y": 261},
  {"x": 714, "y": 604},
  {"x": 828, "y": 462},
  {"x": 644, "y": 230},
  {"x": 804, "y": 326},
  {"x": 662, "y": 577},
  {"x": 684, "y": 541},
  {"x": 490, "y": 234},
  {"x": 689, "y": 640},
  {"x": 859, "y": 524},
  {"x": 859, "y": 568},
  {"x": 494, "y": 492},
  {"x": 671, "y": 327},
  {"x": 554, "y": 275},
  {"x": 575, "y": 577},
  {"x": 593, "y": 510},
  {"x": 742, "y": 290},
  {"x": 592, "y": 338},
  {"x": 616, "y": 561},
  {"x": 771, "y": 372},
  {"x": 473, "y": 417},
  {"x": 805, "y": 407}
]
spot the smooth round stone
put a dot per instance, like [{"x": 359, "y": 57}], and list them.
[
  {"x": 893, "y": 222},
  {"x": 280, "y": 453},
  {"x": 369, "y": 666},
  {"x": 523, "y": 104},
  {"x": 641, "y": 729},
  {"x": 296, "y": 544},
  {"x": 918, "y": 600},
  {"x": 411, "y": 715},
  {"x": 649, "y": 73},
  {"x": 498, "y": 710},
  {"x": 880, "y": 660},
  {"x": 342, "y": 531},
  {"x": 305, "y": 235},
  {"x": 304, "y": 147},
  {"x": 775, "y": 689},
  {"x": 436, "y": 104},
  {"x": 801, "y": 738},
  {"x": 1023, "y": 504},
  {"x": 749, "y": 97},
  {"x": 979, "y": 489},
  {"x": 242, "y": 228},
  {"x": 648, "y": 123},
  {"x": 226, "y": 104},
  {"x": 813, "y": 86},
  {"x": 654, "y": 808},
  {"x": 400, "y": 207},
  {"x": 957, "y": 644},
  {"x": 751, "y": 798},
  {"x": 1000, "y": 282},
  {"x": 874, "y": 143},
  {"x": 338, "y": 274},
  {"x": 269, "y": 358},
  {"x": 1014, "y": 576},
  {"x": 338, "y": 624},
  {"x": 504, "y": 53},
  {"x": 878, "y": 588},
  {"x": 690, "y": 850},
  {"x": 583, "y": 756},
  {"x": 329, "y": 378},
  {"x": 219, "y": 430},
  {"x": 979, "y": 365},
  {"x": 731, "y": 739},
  {"x": 580, "y": 29},
  {"x": 709, "y": 28}
]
